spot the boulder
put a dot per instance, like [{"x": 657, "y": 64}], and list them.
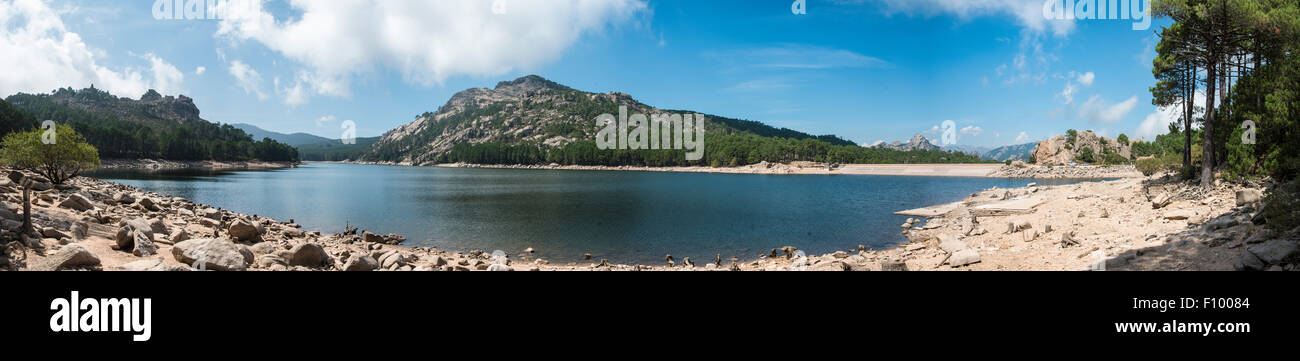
[
  {"x": 270, "y": 260},
  {"x": 80, "y": 230},
  {"x": 211, "y": 213},
  {"x": 144, "y": 245},
  {"x": 1277, "y": 251},
  {"x": 53, "y": 233},
  {"x": 158, "y": 226},
  {"x": 964, "y": 257},
  {"x": 72, "y": 255},
  {"x": 155, "y": 264},
  {"x": 1248, "y": 262},
  {"x": 150, "y": 204},
  {"x": 893, "y": 266},
  {"x": 308, "y": 255},
  {"x": 217, "y": 254},
  {"x": 265, "y": 248},
  {"x": 244, "y": 231},
  {"x": 123, "y": 198},
  {"x": 77, "y": 202},
  {"x": 372, "y": 238},
  {"x": 361, "y": 263},
  {"x": 949, "y": 243},
  {"x": 126, "y": 233},
  {"x": 1249, "y": 196},
  {"x": 1179, "y": 214},
  {"x": 178, "y": 235},
  {"x": 1160, "y": 201}
]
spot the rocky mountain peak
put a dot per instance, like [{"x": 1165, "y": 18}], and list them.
[
  {"x": 918, "y": 142},
  {"x": 526, "y": 85}
]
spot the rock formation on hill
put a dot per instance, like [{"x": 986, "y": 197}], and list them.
[{"x": 1065, "y": 149}]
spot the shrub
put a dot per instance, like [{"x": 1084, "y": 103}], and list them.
[
  {"x": 1150, "y": 166},
  {"x": 64, "y": 159}
]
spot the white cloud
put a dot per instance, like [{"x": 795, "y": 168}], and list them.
[
  {"x": 1028, "y": 13},
  {"x": 41, "y": 54},
  {"x": 200, "y": 70},
  {"x": 425, "y": 41},
  {"x": 1086, "y": 78},
  {"x": 1097, "y": 110},
  {"x": 248, "y": 79},
  {"x": 1023, "y": 137},
  {"x": 1067, "y": 94},
  {"x": 325, "y": 120},
  {"x": 1157, "y": 122},
  {"x": 972, "y": 130},
  {"x": 797, "y": 56}
]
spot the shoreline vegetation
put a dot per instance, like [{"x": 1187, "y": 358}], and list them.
[
  {"x": 1138, "y": 223},
  {"x": 980, "y": 170},
  {"x": 162, "y": 164}
]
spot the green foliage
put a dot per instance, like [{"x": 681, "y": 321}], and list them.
[
  {"x": 64, "y": 159},
  {"x": 1150, "y": 166},
  {"x": 720, "y": 151},
  {"x": 335, "y": 150},
  {"x": 130, "y": 139},
  {"x": 13, "y": 119},
  {"x": 1085, "y": 155},
  {"x": 1070, "y": 136},
  {"x": 1279, "y": 206},
  {"x": 1123, "y": 139}
]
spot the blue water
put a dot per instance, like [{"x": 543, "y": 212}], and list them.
[{"x": 620, "y": 216}]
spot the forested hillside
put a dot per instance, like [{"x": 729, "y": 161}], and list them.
[{"x": 153, "y": 127}]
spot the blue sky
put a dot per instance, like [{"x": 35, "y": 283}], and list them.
[{"x": 866, "y": 70}]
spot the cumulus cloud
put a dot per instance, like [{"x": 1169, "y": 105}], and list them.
[
  {"x": 1023, "y": 137},
  {"x": 425, "y": 41},
  {"x": 972, "y": 130},
  {"x": 41, "y": 54},
  {"x": 1157, "y": 122},
  {"x": 248, "y": 79},
  {"x": 1098, "y": 110},
  {"x": 200, "y": 70}
]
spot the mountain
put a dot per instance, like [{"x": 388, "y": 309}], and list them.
[
  {"x": 968, "y": 149},
  {"x": 334, "y": 150},
  {"x": 918, "y": 142},
  {"x": 154, "y": 126},
  {"x": 530, "y": 116},
  {"x": 1021, "y": 152},
  {"x": 295, "y": 139}
]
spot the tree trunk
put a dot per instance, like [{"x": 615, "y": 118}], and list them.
[
  {"x": 1189, "y": 107},
  {"x": 1207, "y": 136},
  {"x": 27, "y": 207}
]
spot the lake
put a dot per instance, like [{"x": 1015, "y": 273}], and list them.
[{"x": 623, "y": 216}]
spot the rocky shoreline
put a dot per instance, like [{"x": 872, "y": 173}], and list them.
[
  {"x": 1130, "y": 223},
  {"x": 1016, "y": 171},
  {"x": 158, "y": 164}
]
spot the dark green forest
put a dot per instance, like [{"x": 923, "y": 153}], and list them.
[
  {"x": 127, "y": 139},
  {"x": 720, "y": 151}
]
